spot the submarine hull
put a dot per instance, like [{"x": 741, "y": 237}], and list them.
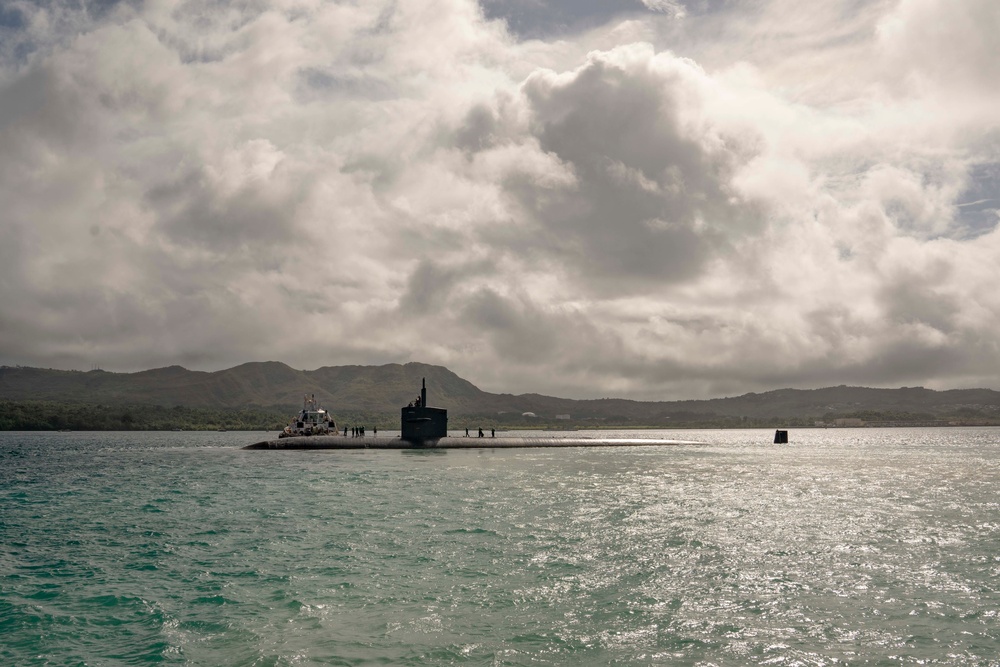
[
  {"x": 376, "y": 442},
  {"x": 424, "y": 427}
]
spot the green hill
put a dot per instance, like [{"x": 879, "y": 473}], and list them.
[
  {"x": 382, "y": 390},
  {"x": 256, "y": 384}
]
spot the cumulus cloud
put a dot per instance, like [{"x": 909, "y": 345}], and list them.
[
  {"x": 657, "y": 200},
  {"x": 653, "y": 200}
]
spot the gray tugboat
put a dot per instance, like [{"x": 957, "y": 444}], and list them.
[
  {"x": 311, "y": 420},
  {"x": 424, "y": 427}
]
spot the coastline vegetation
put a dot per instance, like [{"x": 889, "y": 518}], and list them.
[
  {"x": 58, "y": 416},
  {"x": 264, "y": 396},
  {"x": 38, "y": 415}
]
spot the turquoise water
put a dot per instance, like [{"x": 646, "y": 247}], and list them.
[{"x": 848, "y": 546}]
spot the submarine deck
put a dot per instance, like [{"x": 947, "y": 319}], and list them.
[{"x": 382, "y": 442}]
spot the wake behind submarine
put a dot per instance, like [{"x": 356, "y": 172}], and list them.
[{"x": 424, "y": 427}]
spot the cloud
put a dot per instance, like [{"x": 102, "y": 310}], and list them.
[
  {"x": 670, "y": 7},
  {"x": 570, "y": 199},
  {"x": 933, "y": 42},
  {"x": 552, "y": 19},
  {"x": 652, "y": 200}
]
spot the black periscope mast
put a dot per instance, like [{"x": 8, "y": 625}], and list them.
[{"x": 424, "y": 427}]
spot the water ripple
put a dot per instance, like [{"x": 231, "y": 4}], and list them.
[{"x": 848, "y": 546}]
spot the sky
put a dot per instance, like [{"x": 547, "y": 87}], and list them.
[{"x": 648, "y": 199}]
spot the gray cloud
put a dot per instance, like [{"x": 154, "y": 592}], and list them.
[
  {"x": 431, "y": 285},
  {"x": 192, "y": 211},
  {"x": 547, "y": 18},
  {"x": 652, "y": 199},
  {"x": 557, "y": 203}
]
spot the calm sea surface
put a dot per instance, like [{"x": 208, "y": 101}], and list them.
[{"x": 847, "y": 546}]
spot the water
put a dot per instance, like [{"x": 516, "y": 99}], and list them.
[{"x": 847, "y": 546}]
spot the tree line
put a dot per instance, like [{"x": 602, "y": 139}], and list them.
[{"x": 57, "y": 416}]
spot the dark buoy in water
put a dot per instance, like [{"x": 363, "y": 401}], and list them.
[{"x": 781, "y": 437}]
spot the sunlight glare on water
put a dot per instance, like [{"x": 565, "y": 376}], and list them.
[{"x": 846, "y": 546}]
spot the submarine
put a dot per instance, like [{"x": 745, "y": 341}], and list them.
[{"x": 425, "y": 427}]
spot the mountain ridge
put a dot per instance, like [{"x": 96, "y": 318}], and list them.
[{"x": 383, "y": 389}]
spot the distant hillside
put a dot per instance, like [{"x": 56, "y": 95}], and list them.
[
  {"x": 383, "y": 389},
  {"x": 258, "y": 384}
]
